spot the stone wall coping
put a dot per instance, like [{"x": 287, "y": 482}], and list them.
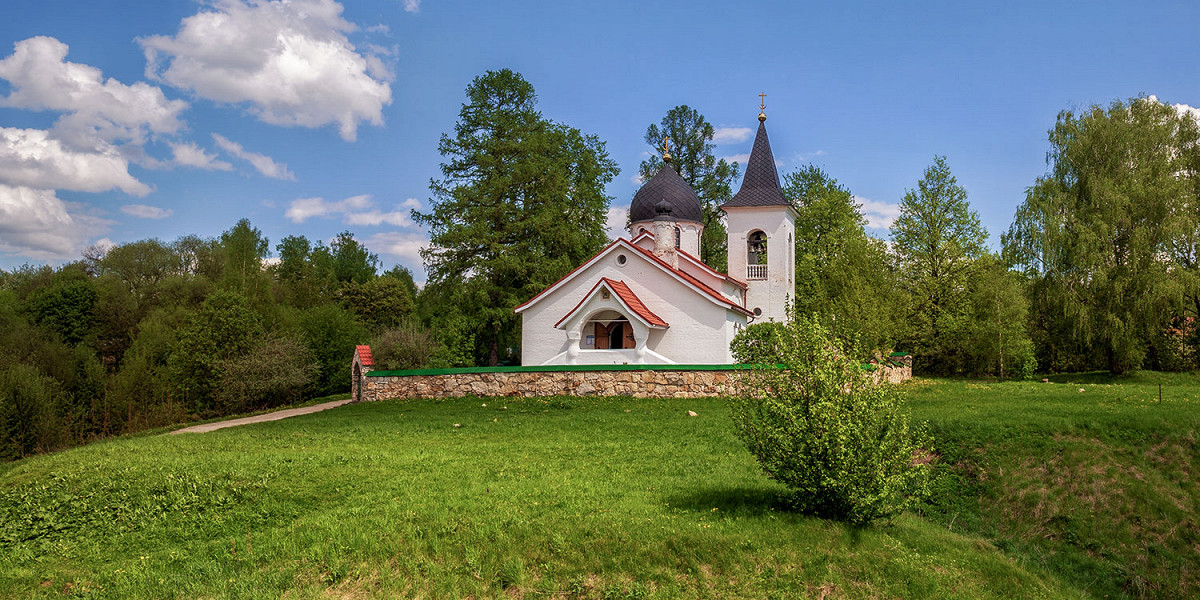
[{"x": 560, "y": 369}]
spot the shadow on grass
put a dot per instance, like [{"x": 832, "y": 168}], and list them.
[{"x": 735, "y": 502}]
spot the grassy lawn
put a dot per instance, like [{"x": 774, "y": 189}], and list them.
[{"x": 1042, "y": 491}]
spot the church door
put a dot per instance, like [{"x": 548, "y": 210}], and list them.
[
  {"x": 629, "y": 341},
  {"x": 615, "y": 335},
  {"x": 601, "y": 336}
]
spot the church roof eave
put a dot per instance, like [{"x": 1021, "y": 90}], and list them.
[{"x": 626, "y": 298}]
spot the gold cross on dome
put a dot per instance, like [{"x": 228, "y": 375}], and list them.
[
  {"x": 762, "y": 104},
  {"x": 666, "y": 147}
]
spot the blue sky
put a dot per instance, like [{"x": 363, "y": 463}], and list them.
[{"x": 158, "y": 118}]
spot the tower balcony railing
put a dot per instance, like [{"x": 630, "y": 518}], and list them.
[{"x": 756, "y": 271}]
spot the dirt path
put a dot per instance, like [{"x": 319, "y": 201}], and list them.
[{"x": 273, "y": 416}]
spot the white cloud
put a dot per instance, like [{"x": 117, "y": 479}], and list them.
[
  {"x": 1188, "y": 110},
  {"x": 406, "y": 245},
  {"x": 37, "y": 224},
  {"x": 289, "y": 61},
  {"x": 412, "y": 6},
  {"x": 731, "y": 135},
  {"x": 636, "y": 179},
  {"x": 305, "y": 208},
  {"x": 31, "y": 158},
  {"x": 144, "y": 211},
  {"x": 355, "y": 210},
  {"x": 42, "y": 79},
  {"x": 740, "y": 159},
  {"x": 617, "y": 216},
  {"x": 398, "y": 218},
  {"x": 261, "y": 162},
  {"x": 191, "y": 155},
  {"x": 880, "y": 215}
]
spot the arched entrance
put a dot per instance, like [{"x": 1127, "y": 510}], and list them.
[{"x": 607, "y": 330}]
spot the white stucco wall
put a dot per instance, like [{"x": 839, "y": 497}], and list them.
[
  {"x": 689, "y": 234},
  {"x": 699, "y": 332},
  {"x": 776, "y": 294}
]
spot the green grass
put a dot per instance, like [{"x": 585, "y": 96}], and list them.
[
  {"x": 1089, "y": 477},
  {"x": 612, "y": 498}
]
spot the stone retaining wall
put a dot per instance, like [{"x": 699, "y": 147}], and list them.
[{"x": 636, "y": 383}]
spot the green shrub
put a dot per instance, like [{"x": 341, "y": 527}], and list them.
[
  {"x": 824, "y": 428},
  {"x": 409, "y": 346},
  {"x": 30, "y": 419},
  {"x": 274, "y": 373}
]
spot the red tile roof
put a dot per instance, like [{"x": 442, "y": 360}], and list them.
[
  {"x": 626, "y": 297},
  {"x": 687, "y": 277},
  {"x": 692, "y": 280},
  {"x": 633, "y": 302},
  {"x": 364, "y": 356}
]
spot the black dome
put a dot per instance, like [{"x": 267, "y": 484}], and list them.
[{"x": 666, "y": 185}]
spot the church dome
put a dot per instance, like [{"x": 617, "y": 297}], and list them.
[{"x": 666, "y": 185}]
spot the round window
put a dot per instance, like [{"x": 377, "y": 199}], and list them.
[
  {"x": 621, "y": 259},
  {"x": 757, "y": 311}
]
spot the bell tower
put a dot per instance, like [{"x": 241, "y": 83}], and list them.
[{"x": 761, "y": 225}]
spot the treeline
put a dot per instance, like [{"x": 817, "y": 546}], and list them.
[
  {"x": 149, "y": 333},
  {"x": 1100, "y": 269}
]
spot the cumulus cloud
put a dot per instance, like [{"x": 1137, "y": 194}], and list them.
[
  {"x": 42, "y": 79},
  {"x": 289, "y": 62},
  {"x": 880, "y": 215},
  {"x": 306, "y": 208},
  {"x": 405, "y": 245},
  {"x": 412, "y": 6},
  {"x": 1188, "y": 110},
  {"x": 731, "y": 135},
  {"x": 355, "y": 210},
  {"x": 145, "y": 211},
  {"x": 191, "y": 155},
  {"x": 31, "y": 158},
  {"x": 37, "y": 224},
  {"x": 261, "y": 162},
  {"x": 740, "y": 159},
  {"x": 617, "y": 216}
]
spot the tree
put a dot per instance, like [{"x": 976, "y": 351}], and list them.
[
  {"x": 222, "y": 330},
  {"x": 842, "y": 274},
  {"x": 822, "y": 427},
  {"x": 244, "y": 248},
  {"x": 520, "y": 204},
  {"x": 345, "y": 260},
  {"x": 994, "y": 340},
  {"x": 937, "y": 239},
  {"x": 379, "y": 303},
  {"x": 1104, "y": 236},
  {"x": 691, "y": 150}
]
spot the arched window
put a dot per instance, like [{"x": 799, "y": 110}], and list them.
[
  {"x": 678, "y": 236},
  {"x": 756, "y": 248}
]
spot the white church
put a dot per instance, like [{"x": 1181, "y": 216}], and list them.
[{"x": 650, "y": 299}]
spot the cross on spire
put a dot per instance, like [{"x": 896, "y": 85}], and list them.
[
  {"x": 666, "y": 148},
  {"x": 762, "y": 107}
]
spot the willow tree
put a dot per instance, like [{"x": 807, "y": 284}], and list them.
[
  {"x": 1104, "y": 235},
  {"x": 520, "y": 203}
]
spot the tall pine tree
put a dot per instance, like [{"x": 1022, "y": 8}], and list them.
[{"x": 521, "y": 202}]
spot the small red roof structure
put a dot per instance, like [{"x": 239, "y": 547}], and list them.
[
  {"x": 626, "y": 297},
  {"x": 364, "y": 355}
]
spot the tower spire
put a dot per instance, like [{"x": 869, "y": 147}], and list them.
[{"x": 760, "y": 186}]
